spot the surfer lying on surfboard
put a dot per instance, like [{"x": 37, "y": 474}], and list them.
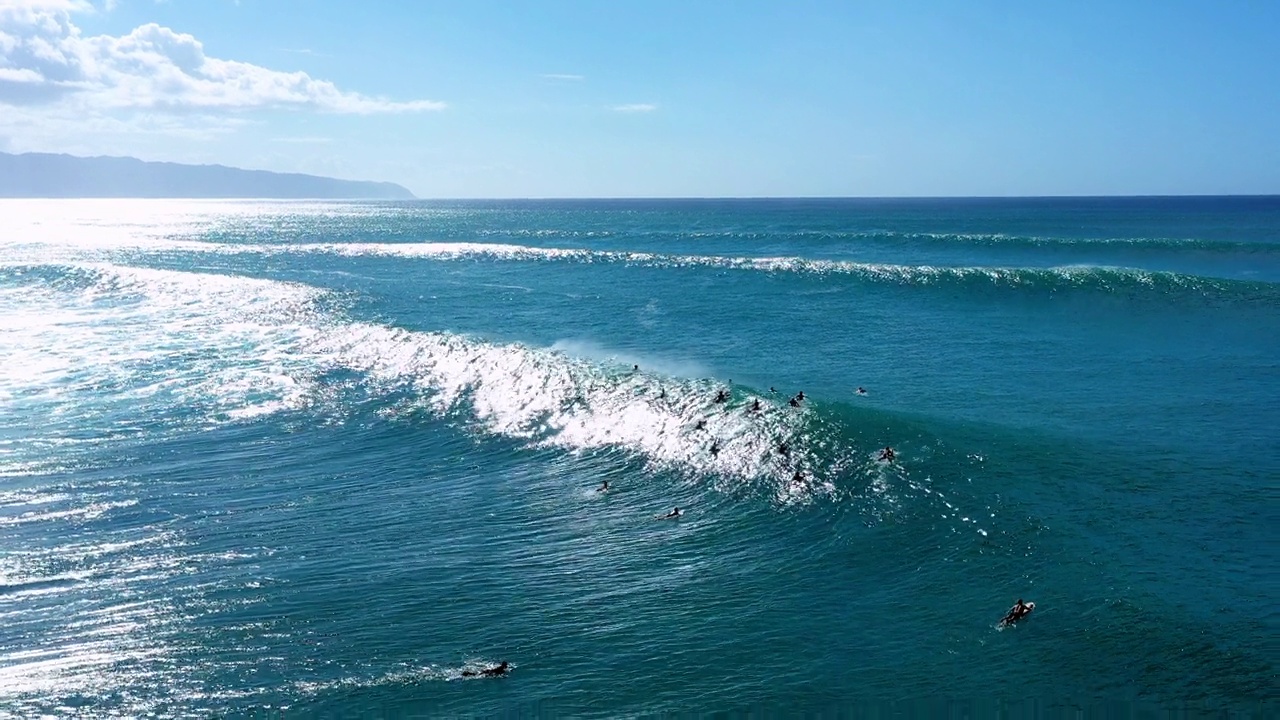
[
  {"x": 496, "y": 671},
  {"x": 1017, "y": 612},
  {"x": 673, "y": 514}
]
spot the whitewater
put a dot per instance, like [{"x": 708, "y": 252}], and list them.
[{"x": 320, "y": 459}]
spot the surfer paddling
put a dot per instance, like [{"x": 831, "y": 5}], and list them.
[
  {"x": 1017, "y": 612},
  {"x": 496, "y": 671},
  {"x": 669, "y": 516},
  {"x": 887, "y": 455}
]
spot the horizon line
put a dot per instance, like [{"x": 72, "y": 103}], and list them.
[{"x": 667, "y": 198}]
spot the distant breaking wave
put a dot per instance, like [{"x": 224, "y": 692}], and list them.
[
  {"x": 1069, "y": 277},
  {"x": 1087, "y": 277},
  {"x": 910, "y": 238}
]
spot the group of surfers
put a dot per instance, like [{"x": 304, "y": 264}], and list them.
[{"x": 722, "y": 396}]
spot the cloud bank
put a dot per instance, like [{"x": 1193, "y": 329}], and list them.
[{"x": 45, "y": 60}]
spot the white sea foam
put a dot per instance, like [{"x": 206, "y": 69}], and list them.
[{"x": 171, "y": 343}]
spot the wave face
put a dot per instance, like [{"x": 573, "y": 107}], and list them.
[{"x": 313, "y": 457}]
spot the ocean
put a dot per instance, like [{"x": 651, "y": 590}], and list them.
[{"x": 320, "y": 459}]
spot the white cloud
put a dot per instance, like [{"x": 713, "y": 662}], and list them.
[
  {"x": 20, "y": 75},
  {"x": 45, "y": 60},
  {"x": 635, "y": 108},
  {"x": 565, "y": 78}
]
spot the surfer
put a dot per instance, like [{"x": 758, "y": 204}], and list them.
[
  {"x": 755, "y": 406},
  {"x": 886, "y": 455},
  {"x": 772, "y": 391},
  {"x": 604, "y": 487},
  {"x": 715, "y": 448},
  {"x": 1017, "y": 612},
  {"x": 702, "y": 425},
  {"x": 862, "y": 390},
  {"x": 496, "y": 671},
  {"x": 635, "y": 368},
  {"x": 784, "y": 449},
  {"x": 793, "y": 402},
  {"x": 673, "y": 514},
  {"x": 722, "y": 396},
  {"x": 797, "y": 477}
]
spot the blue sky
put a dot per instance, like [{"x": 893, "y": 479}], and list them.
[{"x": 663, "y": 99}]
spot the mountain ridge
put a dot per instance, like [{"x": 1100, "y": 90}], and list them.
[{"x": 50, "y": 175}]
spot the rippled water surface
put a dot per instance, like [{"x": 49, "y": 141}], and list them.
[{"x": 321, "y": 459}]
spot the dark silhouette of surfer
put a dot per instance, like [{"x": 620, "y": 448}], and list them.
[
  {"x": 887, "y": 454},
  {"x": 604, "y": 487},
  {"x": 496, "y": 671},
  {"x": 1017, "y": 612},
  {"x": 722, "y": 396},
  {"x": 671, "y": 515}
]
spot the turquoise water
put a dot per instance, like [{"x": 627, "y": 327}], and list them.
[{"x": 318, "y": 459}]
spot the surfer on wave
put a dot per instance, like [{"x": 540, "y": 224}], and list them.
[
  {"x": 669, "y": 516},
  {"x": 887, "y": 455}
]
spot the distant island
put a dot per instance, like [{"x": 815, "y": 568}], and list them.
[{"x": 43, "y": 175}]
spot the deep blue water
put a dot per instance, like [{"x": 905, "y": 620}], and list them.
[{"x": 318, "y": 459}]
